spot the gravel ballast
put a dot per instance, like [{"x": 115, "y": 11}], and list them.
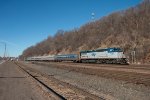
[{"x": 107, "y": 88}]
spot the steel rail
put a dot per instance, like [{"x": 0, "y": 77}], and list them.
[{"x": 51, "y": 91}]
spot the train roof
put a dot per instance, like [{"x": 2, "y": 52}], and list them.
[
  {"x": 66, "y": 55},
  {"x": 102, "y": 50}
]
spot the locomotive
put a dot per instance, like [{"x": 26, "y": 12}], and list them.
[{"x": 105, "y": 55}]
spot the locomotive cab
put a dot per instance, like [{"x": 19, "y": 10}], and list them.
[{"x": 118, "y": 55}]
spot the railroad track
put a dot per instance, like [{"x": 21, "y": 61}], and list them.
[
  {"x": 125, "y": 68},
  {"x": 53, "y": 94},
  {"x": 144, "y": 67},
  {"x": 61, "y": 88},
  {"x": 134, "y": 75},
  {"x": 94, "y": 65}
]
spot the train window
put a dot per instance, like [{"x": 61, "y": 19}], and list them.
[
  {"x": 117, "y": 50},
  {"x": 101, "y": 50},
  {"x": 111, "y": 50},
  {"x": 83, "y": 53}
]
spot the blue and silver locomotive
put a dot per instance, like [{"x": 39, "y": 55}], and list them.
[{"x": 105, "y": 55}]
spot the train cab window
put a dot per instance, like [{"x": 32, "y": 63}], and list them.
[{"x": 101, "y": 50}]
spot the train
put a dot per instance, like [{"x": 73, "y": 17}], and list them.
[{"x": 105, "y": 55}]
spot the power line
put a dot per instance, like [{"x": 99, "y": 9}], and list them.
[{"x": 5, "y": 51}]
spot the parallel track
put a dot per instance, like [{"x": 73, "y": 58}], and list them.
[
  {"x": 130, "y": 74},
  {"x": 93, "y": 65},
  {"x": 144, "y": 67},
  {"x": 51, "y": 91}
]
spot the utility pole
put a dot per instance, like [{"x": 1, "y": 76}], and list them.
[
  {"x": 133, "y": 55},
  {"x": 4, "y": 49}
]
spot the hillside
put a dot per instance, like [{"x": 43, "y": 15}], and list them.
[{"x": 128, "y": 29}]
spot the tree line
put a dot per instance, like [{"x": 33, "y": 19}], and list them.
[{"x": 128, "y": 29}]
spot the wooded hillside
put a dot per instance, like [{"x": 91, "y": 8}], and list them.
[{"x": 128, "y": 29}]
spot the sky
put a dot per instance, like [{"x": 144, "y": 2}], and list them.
[{"x": 24, "y": 23}]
